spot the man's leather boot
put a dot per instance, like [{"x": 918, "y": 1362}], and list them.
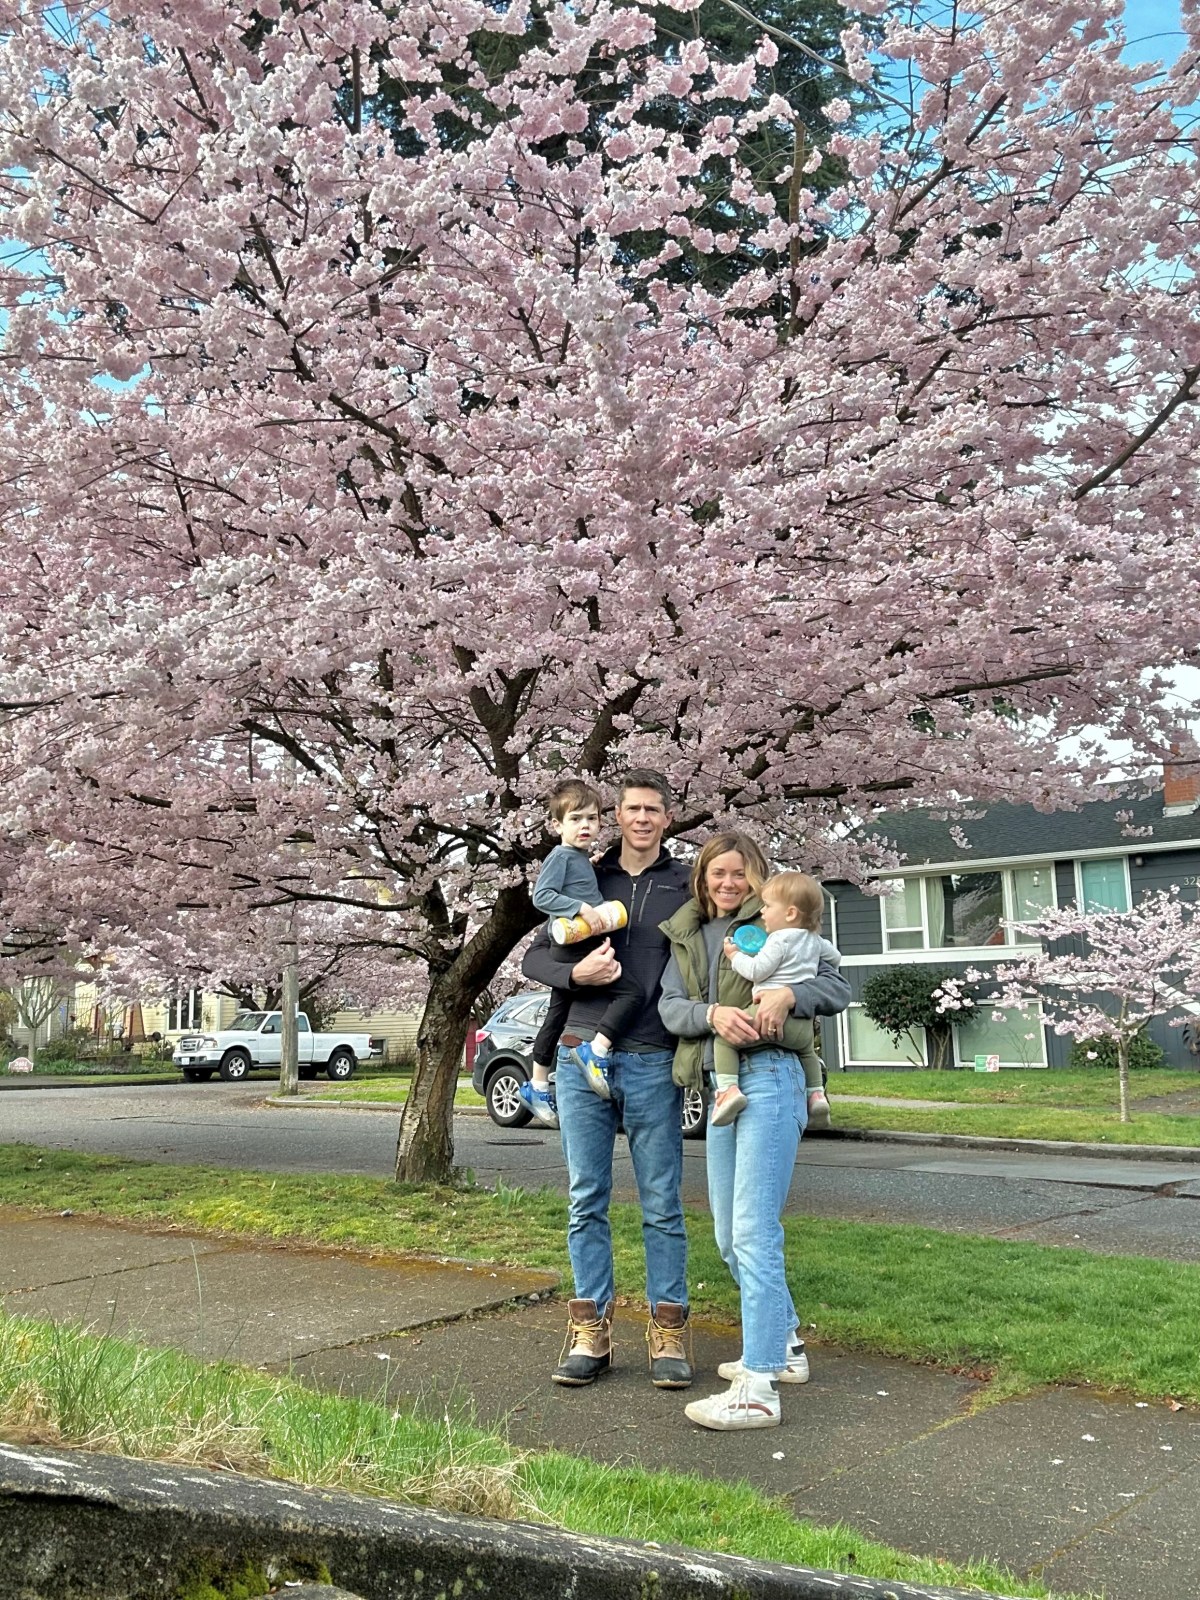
[
  {"x": 588, "y": 1348},
  {"x": 670, "y": 1367}
]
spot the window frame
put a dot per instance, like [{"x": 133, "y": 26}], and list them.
[
  {"x": 1008, "y": 893},
  {"x": 961, "y": 1060},
  {"x": 185, "y": 1011},
  {"x": 890, "y": 949},
  {"x": 851, "y": 1060}
]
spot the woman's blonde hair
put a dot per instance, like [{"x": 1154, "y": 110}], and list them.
[{"x": 757, "y": 869}]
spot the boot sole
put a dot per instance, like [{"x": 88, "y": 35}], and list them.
[
  {"x": 672, "y": 1383},
  {"x": 569, "y": 1382}
]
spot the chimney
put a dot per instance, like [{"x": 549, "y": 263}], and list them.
[{"x": 1181, "y": 786}]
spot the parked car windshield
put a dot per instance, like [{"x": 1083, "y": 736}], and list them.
[{"x": 246, "y": 1022}]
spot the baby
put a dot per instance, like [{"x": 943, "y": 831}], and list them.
[{"x": 792, "y": 908}]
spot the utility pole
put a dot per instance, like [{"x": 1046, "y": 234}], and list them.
[{"x": 289, "y": 1066}]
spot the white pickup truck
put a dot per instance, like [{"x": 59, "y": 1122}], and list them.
[{"x": 255, "y": 1039}]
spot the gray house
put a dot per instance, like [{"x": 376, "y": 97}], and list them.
[{"x": 950, "y": 903}]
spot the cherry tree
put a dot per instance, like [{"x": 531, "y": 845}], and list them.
[
  {"x": 378, "y": 446},
  {"x": 1105, "y": 976}
]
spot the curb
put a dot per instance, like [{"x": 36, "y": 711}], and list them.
[
  {"x": 72, "y": 1081},
  {"x": 959, "y": 1141},
  {"x": 94, "y": 1526},
  {"x": 311, "y": 1103},
  {"x": 1036, "y": 1147}
]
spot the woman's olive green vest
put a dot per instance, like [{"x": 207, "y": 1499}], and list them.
[{"x": 685, "y": 930}]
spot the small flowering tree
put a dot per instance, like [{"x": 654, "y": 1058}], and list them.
[{"x": 1106, "y": 974}]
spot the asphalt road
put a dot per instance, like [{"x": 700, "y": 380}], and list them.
[{"x": 1149, "y": 1208}]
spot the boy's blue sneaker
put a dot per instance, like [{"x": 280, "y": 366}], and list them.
[
  {"x": 540, "y": 1104},
  {"x": 593, "y": 1067}
]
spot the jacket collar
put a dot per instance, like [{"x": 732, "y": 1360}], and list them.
[{"x": 612, "y": 859}]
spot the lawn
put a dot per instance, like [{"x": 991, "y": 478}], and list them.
[
  {"x": 1088, "y": 1088},
  {"x": 1022, "y": 1314},
  {"x": 1021, "y": 1122},
  {"x": 65, "y": 1387}
]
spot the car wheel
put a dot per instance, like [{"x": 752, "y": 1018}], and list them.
[
  {"x": 503, "y": 1097},
  {"x": 234, "y": 1066},
  {"x": 197, "y": 1074},
  {"x": 341, "y": 1065},
  {"x": 694, "y": 1116}
]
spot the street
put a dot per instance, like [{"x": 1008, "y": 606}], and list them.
[{"x": 1148, "y": 1208}]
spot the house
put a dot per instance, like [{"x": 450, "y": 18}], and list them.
[
  {"x": 192, "y": 1010},
  {"x": 951, "y": 899}
]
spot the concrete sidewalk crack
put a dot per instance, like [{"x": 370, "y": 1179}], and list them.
[
  {"x": 892, "y": 1449},
  {"x": 1105, "y": 1524}
]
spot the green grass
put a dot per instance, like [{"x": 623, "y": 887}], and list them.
[
  {"x": 1016, "y": 1122},
  {"x": 1061, "y": 1089},
  {"x": 58, "y": 1385},
  {"x": 135, "y": 1071},
  {"x": 1021, "y": 1314}
]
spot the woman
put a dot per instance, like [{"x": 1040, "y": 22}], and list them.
[{"x": 750, "y": 1161}]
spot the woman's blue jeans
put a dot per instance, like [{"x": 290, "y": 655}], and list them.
[
  {"x": 750, "y": 1164},
  {"x": 648, "y": 1104}
]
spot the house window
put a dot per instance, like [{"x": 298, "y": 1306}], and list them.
[
  {"x": 903, "y": 918},
  {"x": 965, "y": 910},
  {"x": 1103, "y": 884},
  {"x": 1031, "y": 891},
  {"x": 1019, "y": 1040},
  {"x": 185, "y": 1010},
  {"x": 863, "y": 1044}
]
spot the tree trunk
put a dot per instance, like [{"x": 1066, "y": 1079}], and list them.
[
  {"x": 289, "y": 1052},
  {"x": 941, "y": 1038},
  {"x": 425, "y": 1147},
  {"x": 1123, "y": 1076}
]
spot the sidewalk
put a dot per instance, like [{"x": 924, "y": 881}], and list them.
[{"x": 1088, "y": 1493}]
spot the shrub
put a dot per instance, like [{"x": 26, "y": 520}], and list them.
[
  {"x": 1144, "y": 1054},
  {"x": 73, "y": 1045},
  {"x": 900, "y": 1000}
]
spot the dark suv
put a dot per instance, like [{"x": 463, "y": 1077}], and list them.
[{"x": 503, "y": 1062}]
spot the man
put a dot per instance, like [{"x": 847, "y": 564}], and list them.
[{"x": 652, "y": 885}]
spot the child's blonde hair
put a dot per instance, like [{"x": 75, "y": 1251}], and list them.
[{"x": 799, "y": 890}]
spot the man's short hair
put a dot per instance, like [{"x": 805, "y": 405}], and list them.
[
  {"x": 572, "y": 794},
  {"x": 646, "y": 778}
]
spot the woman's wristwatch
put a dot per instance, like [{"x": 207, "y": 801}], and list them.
[{"x": 708, "y": 1017}]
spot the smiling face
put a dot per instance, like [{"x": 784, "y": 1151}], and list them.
[
  {"x": 726, "y": 882},
  {"x": 580, "y": 827},
  {"x": 642, "y": 817}
]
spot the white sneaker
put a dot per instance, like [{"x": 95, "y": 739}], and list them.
[
  {"x": 819, "y": 1120},
  {"x": 751, "y": 1401},
  {"x": 796, "y": 1370}
]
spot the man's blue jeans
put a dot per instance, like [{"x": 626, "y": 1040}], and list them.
[
  {"x": 750, "y": 1164},
  {"x": 648, "y": 1104}
]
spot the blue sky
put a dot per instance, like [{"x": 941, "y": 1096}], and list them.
[{"x": 1153, "y": 29}]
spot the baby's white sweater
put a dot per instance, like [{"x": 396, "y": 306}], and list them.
[{"x": 789, "y": 956}]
